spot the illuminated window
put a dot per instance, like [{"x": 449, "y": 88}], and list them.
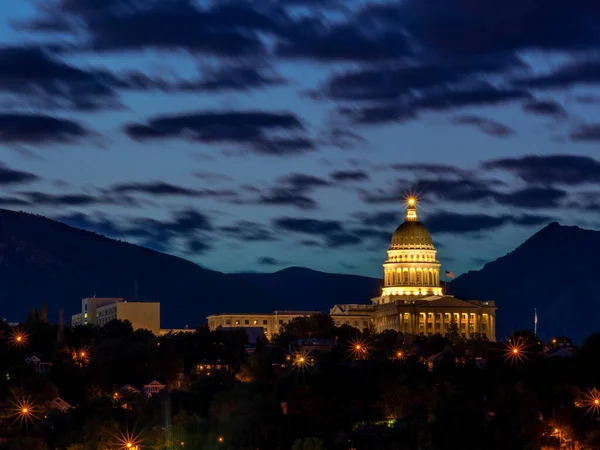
[
  {"x": 405, "y": 275},
  {"x": 237, "y": 322},
  {"x": 418, "y": 277},
  {"x": 255, "y": 322}
]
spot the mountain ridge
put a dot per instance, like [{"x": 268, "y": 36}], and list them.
[{"x": 46, "y": 261}]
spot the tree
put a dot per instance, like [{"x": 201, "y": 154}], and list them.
[{"x": 453, "y": 333}]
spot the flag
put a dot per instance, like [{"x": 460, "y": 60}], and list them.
[{"x": 450, "y": 274}]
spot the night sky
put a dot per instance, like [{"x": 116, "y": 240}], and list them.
[{"x": 251, "y": 136}]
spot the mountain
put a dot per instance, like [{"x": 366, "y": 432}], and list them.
[
  {"x": 46, "y": 262},
  {"x": 555, "y": 271},
  {"x": 301, "y": 288}
]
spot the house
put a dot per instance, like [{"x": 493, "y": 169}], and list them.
[
  {"x": 60, "y": 405},
  {"x": 154, "y": 387},
  {"x": 38, "y": 365}
]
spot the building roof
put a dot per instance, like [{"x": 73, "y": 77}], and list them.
[
  {"x": 411, "y": 234},
  {"x": 449, "y": 302}
]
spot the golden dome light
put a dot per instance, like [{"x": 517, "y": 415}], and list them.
[{"x": 411, "y": 201}]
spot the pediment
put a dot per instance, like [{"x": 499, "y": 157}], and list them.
[{"x": 448, "y": 302}]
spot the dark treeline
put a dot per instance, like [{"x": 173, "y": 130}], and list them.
[{"x": 369, "y": 391}]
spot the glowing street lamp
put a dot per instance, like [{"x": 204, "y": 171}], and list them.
[
  {"x": 129, "y": 441},
  {"x": 24, "y": 410},
  {"x": 358, "y": 348},
  {"x": 18, "y": 338},
  {"x": 591, "y": 401},
  {"x": 516, "y": 352}
]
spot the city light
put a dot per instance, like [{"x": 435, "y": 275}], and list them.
[
  {"x": 18, "y": 338},
  {"x": 358, "y": 348},
  {"x": 515, "y": 351},
  {"x": 302, "y": 360},
  {"x": 591, "y": 400},
  {"x": 129, "y": 441},
  {"x": 24, "y": 410},
  {"x": 81, "y": 355}
]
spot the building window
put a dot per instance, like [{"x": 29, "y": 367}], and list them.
[
  {"x": 418, "y": 277},
  {"x": 280, "y": 322},
  {"x": 228, "y": 322},
  {"x": 246, "y": 322},
  {"x": 265, "y": 321},
  {"x": 255, "y": 322},
  {"x": 237, "y": 322},
  {"x": 405, "y": 275}
]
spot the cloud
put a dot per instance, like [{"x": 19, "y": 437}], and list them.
[
  {"x": 40, "y": 79},
  {"x": 586, "y": 133},
  {"x": 226, "y": 29},
  {"x": 383, "y": 219},
  {"x": 189, "y": 228},
  {"x": 497, "y": 26},
  {"x": 550, "y": 169},
  {"x": 485, "y": 125},
  {"x": 292, "y": 189},
  {"x": 331, "y": 233},
  {"x": 395, "y": 84},
  {"x": 468, "y": 189},
  {"x": 303, "y": 182},
  {"x": 227, "y": 77},
  {"x": 47, "y": 199},
  {"x": 250, "y": 128},
  {"x": 10, "y": 176},
  {"x": 245, "y": 231},
  {"x": 545, "y": 108},
  {"x": 287, "y": 196},
  {"x": 269, "y": 261},
  {"x": 39, "y": 129},
  {"x": 349, "y": 175},
  {"x": 235, "y": 78},
  {"x": 161, "y": 188},
  {"x": 440, "y": 100},
  {"x": 343, "y": 42},
  {"x": 429, "y": 168},
  {"x": 454, "y": 223},
  {"x": 572, "y": 73},
  {"x": 533, "y": 197}
]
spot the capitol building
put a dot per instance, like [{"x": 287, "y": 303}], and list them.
[{"x": 412, "y": 299}]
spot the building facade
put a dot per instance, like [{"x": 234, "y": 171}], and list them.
[
  {"x": 100, "y": 311},
  {"x": 270, "y": 322},
  {"x": 412, "y": 299}
]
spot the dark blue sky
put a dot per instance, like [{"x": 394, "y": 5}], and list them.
[{"x": 261, "y": 134}]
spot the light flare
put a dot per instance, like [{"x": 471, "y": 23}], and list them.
[
  {"x": 359, "y": 349},
  {"x": 515, "y": 351},
  {"x": 591, "y": 401},
  {"x": 18, "y": 338},
  {"x": 24, "y": 410}
]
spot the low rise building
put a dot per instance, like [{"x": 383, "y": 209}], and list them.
[
  {"x": 271, "y": 323},
  {"x": 99, "y": 311}
]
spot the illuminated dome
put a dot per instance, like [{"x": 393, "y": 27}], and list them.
[
  {"x": 412, "y": 234},
  {"x": 411, "y": 269}
]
